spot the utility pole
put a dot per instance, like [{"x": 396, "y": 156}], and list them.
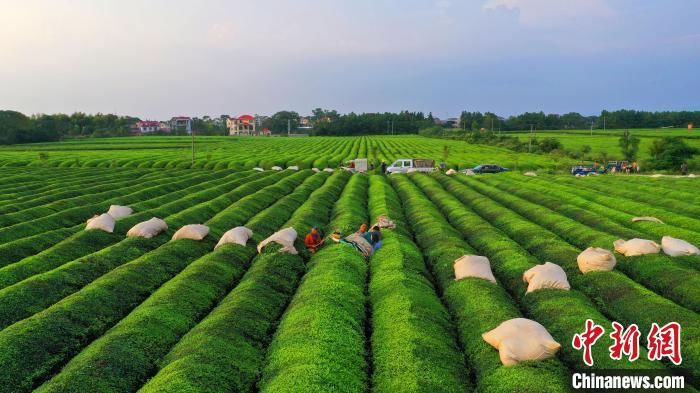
[
  {"x": 387, "y": 127},
  {"x": 604, "y": 123},
  {"x": 529, "y": 144},
  {"x": 591, "y": 128},
  {"x": 289, "y": 127},
  {"x": 491, "y": 123},
  {"x": 192, "y": 132},
  {"x": 392, "y": 128}
]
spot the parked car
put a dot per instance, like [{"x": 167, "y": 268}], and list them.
[
  {"x": 411, "y": 165},
  {"x": 584, "y": 170},
  {"x": 487, "y": 168}
]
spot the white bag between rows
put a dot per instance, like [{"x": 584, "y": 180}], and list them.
[
  {"x": 285, "y": 238},
  {"x": 596, "y": 259},
  {"x": 677, "y": 247},
  {"x": 103, "y": 222},
  {"x": 148, "y": 229},
  {"x": 276, "y": 168},
  {"x": 450, "y": 172},
  {"x": 636, "y": 247},
  {"x": 473, "y": 266},
  {"x": 118, "y": 212},
  {"x": 521, "y": 339},
  {"x": 192, "y": 232},
  {"x": 547, "y": 275},
  {"x": 647, "y": 218},
  {"x": 237, "y": 235}
]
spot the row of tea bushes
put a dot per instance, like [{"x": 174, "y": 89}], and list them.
[{"x": 477, "y": 305}]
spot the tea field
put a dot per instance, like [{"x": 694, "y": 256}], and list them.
[
  {"x": 247, "y": 153},
  {"x": 92, "y": 311}
]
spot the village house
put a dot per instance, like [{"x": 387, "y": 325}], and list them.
[
  {"x": 244, "y": 125},
  {"x": 148, "y": 126},
  {"x": 181, "y": 123}
]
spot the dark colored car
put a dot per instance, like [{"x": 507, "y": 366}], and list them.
[
  {"x": 489, "y": 168},
  {"x": 584, "y": 170}
]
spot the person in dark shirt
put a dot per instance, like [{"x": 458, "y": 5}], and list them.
[
  {"x": 376, "y": 236},
  {"x": 382, "y": 166}
]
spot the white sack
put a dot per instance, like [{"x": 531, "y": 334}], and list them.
[
  {"x": 276, "y": 168},
  {"x": 293, "y": 168},
  {"x": 647, "y": 218},
  {"x": 148, "y": 229},
  {"x": 532, "y": 174},
  {"x": 385, "y": 222},
  {"x": 316, "y": 170},
  {"x": 118, "y": 212},
  {"x": 364, "y": 245},
  {"x": 450, "y": 172},
  {"x": 635, "y": 247},
  {"x": 692, "y": 175},
  {"x": 595, "y": 259},
  {"x": 473, "y": 266},
  {"x": 285, "y": 238},
  {"x": 469, "y": 172},
  {"x": 548, "y": 275},
  {"x": 237, "y": 235},
  {"x": 192, "y": 231},
  {"x": 259, "y": 169},
  {"x": 103, "y": 222},
  {"x": 521, "y": 339},
  {"x": 328, "y": 169},
  {"x": 677, "y": 247}
]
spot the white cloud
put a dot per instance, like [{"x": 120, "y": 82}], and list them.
[{"x": 552, "y": 13}]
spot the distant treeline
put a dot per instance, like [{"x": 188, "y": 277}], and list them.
[
  {"x": 613, "y": 120},
  {"x": 371, "y": 123},
  {"x": 18, "y": 128}
]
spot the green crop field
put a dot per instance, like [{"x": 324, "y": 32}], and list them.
[
  {"x": 91, "y": 311},
  {"x": 607, "y": 141},
  {"x": 248, "y": 153}
]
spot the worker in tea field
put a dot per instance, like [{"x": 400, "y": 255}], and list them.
[
  {"x": 363, "y": 232},
  {"x": 376, "y": 236},
  {"x": 382, "y": 166},
  {"x": 313, "y": 241},
  {"x": 684, "y": 169},
  {"x": 337, "y": 237}
]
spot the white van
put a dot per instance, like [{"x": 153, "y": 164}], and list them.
[{"x": 411, "y": 165}]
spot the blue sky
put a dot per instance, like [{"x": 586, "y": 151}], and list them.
[{"x": 159, "y": 58}]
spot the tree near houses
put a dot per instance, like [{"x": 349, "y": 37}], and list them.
[{"x": 629, "y": 145}]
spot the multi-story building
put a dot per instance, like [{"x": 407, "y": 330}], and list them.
[{"x": 181, "y": 123}]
